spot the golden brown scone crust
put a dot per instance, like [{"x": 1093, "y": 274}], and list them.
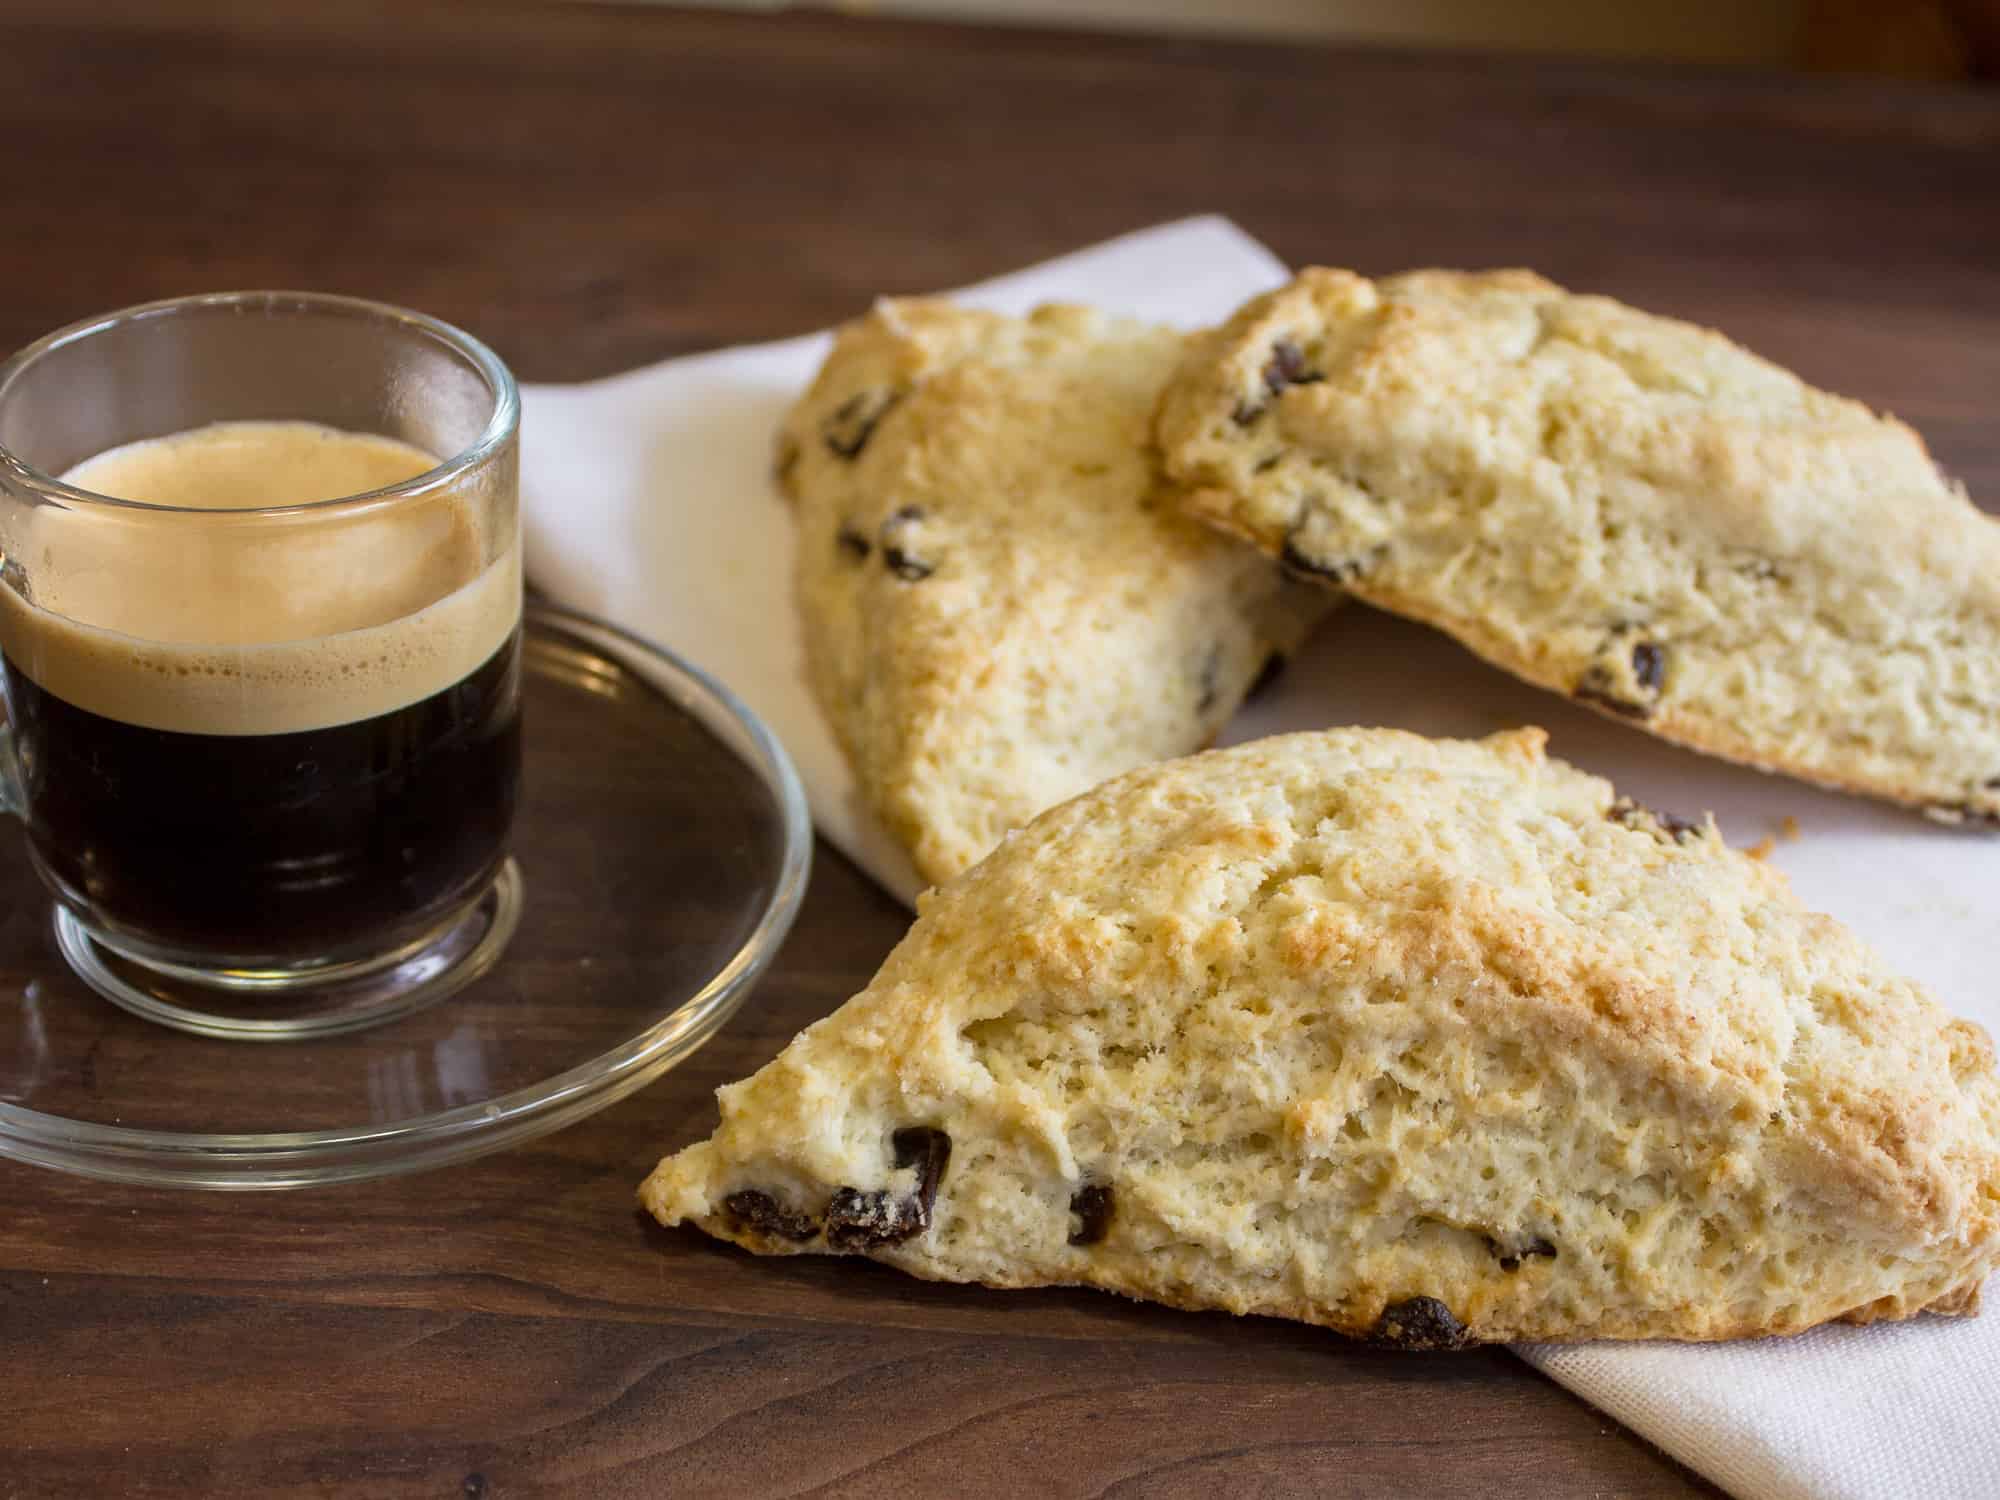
[
  {"x": 1624, "y": 508},
  {"x": 1429, "y": 1042},
  {"x": 1000, "y": 608}
]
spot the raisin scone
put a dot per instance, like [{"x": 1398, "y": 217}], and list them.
[
  {"x": 1627, "y": 509},
  {"x": 1000, "y": 607},
  {"x": 1431, "y": 1042}
]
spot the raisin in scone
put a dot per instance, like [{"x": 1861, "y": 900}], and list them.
[
  {"x": 1000, "y": 608},
  {"x": 1627, "y": 509},
  {"x": 1430, "y": 1042}
]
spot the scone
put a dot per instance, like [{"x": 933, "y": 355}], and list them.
[
  {"x": 1623, "y": 508},
  {"x": 1429, "y": 1042},
  {"x": 1000, "y": 609}
]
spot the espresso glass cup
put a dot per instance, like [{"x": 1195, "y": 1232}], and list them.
[{"x": 267, "y": 756}]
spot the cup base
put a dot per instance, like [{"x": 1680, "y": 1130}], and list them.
[{"x": 276, "y": 1005}]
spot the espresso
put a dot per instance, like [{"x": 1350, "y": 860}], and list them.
[
  {"x": 279, "y": 845},
  {"x": 260, "y": 743}
]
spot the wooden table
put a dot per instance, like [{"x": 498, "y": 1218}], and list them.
[{"x": 596, "y": 188}]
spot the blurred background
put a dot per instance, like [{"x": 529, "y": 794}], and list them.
[{"x": 1942, "y": 39}]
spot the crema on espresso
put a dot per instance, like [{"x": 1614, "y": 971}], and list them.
[{"x": 215, "y": 622}]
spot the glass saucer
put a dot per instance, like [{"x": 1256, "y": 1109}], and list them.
[{"x": 662, "y": 848}]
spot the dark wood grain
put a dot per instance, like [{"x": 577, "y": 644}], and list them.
[{"x": 593, "y": 189}]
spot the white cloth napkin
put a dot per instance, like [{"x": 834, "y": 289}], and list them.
[{"x": 649, "y": 501}]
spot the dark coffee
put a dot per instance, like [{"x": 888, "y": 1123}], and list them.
[
  {"x": 279, "y": 846},
  {"x": 256, "y": 740}
]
